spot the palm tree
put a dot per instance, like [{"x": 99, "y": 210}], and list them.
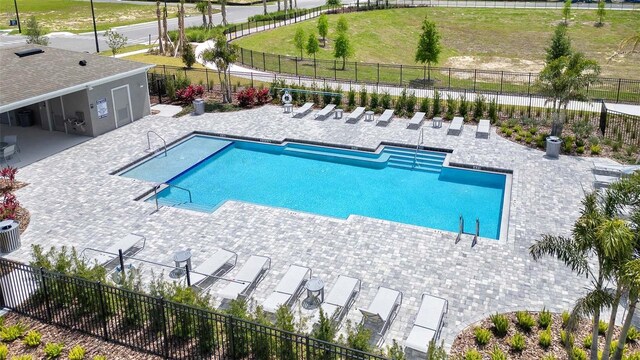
[
  {"x": 222, "y": 55},
  {"x": 202, "y": 6},
  {"x": 607, "y": 238},
  {"x": 223, "y": 11},
  {"x": 264, "y": 6},
  {"x": 566, "y": 79}
]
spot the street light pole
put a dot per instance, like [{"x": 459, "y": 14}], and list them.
[
  {"x": 95, "y": 31},
  {"x": 15, "y": 3}
]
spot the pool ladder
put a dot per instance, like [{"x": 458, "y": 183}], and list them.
[
  {"x": 157, "y": 186},
  {"x": 149, "y": 141},
  {"x": 461, "y": 231},
  {"x": 419, "y": 142}
]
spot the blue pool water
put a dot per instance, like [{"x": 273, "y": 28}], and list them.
[{"x": 339, "y": 183}]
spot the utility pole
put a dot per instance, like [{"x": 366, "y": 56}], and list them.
[
  {"x": 15, "y": 3},
  {"x": 95, "y": 31}
]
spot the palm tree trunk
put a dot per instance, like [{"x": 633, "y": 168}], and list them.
[
  {"x": 264, "y": 6},
  {"x": 210, "y": 14},
  {"x": 165, "y": 37},
  {"x": 594, "y": 336},
  {"x": 158, "y": 13},
  {"x": 278, "y": 5},
  {"x": 344, "y": 60},
  {"x": 633, "y": 301},
  {"x": 223, "y": 10},
  {"x": 612, "y": 321}
]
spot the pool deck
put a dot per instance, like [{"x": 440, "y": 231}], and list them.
[{"x": 74, "y": 201}]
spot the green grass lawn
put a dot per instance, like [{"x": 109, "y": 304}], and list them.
[
  {"x": 125, "y": 49},
  {"x": 75, "y": 15},
  {"x": 500, "y": 39}
]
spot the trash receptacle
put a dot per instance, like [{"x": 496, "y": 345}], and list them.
[
  {"x": 9, "y": 236},
  {"x": 13, "y": 22},
  {"x": 25, "y": 117},
  {"x": 198, "y": 106},
  {"x": 553, "y": 146}
]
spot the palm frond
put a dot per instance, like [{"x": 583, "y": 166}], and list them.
[{"x": 563, "y": 249}]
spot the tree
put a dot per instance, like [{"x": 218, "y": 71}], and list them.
[
  {"x": 560, "y": 44},
  {"x": 159, "y": 15},
  {"x": 210, "y": 13},
  {"x": 566, "y": 79},
  {"x": 223, "y": 11},
  {"x": 313, "y": 46},
  {"x": 334, "y": 3},
  {"x": 298, "y": 41},
  {"x": 566, "y": 11},
  {"x": 115, "y": 41},
  {"x": 202, "y": 6},
  {"x": 629, "y": 45},
  {"x": 222, "y": 55},
  {"x": 428, "y": 45},
  {"x": 342, "y": 48},
  {"x": 35, "y": 32},
  {"x": 188, "y": 55},
  {"x": 323, "y": 28},
  {"x": 600, "y": 12},
  {"x": 596, "y": 232},
  {"x": 343, "y": 25}
]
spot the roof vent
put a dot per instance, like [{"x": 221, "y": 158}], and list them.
[
  {"x": 29, "y": 52},
  {"x": 82, "y": 63}
]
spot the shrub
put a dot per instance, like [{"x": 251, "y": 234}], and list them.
[
  {"x": 53, "y": 350},
  {"x": 4, "y": 352},
  {"x": 614, "y": 346},
  {"x": 463, "y": 109},
  {"x": 565, "y": 318},
  {"x": 11, "y": 333},
  {"x": 394, "y": 352},
  {"x": 595, "y": 149},
  {"x": 77, "y": 353},
  {"x": 493, "y": 111},
  {"x": 633, "y": 334},
  {"x": 246, "y": 97},
  {"x": 32, "y": 339},
  {"x": 632, "y": 356},
  {"x": 188, "y": 94},
  {"x": 587, "y": 341},
  {"x": 567, "y": 144},
  {"x": 533, "y": 130},
  {"x": 188, "y": 56},
  {"x": 472, "y": 354},
  {"x": 544, "y": 318},
  {"x": 385, "y": 100},
  {"x": 482, "y": 336},
  {"x": 436, "y": 103},
  {"x": 580, "y": 150},
  {"x": 451, "y": 108},
  {"x": 602, "y": 327},
  {"x": 22, "y": 357},
  {"x": 401, "y": 103},
  {"x": 508, "y": 132},
  {"x": 375, "y": 101},
  {"x": 363, "y": 96},
  {"x": 549, "y": 357},
  {"x": 497, "y": 354},
  {"x": 578, "y": 354},
  {"x": 517, "y": 342},
  {"x": 99, "y": 357},
  {"x": 544, "y": 339},
  {"x": 412, "y": 100},
  {"x": 351, "y": 98},
  {"x": 478, "y": 107},
  {"x": 565, "y": 338},
  {"x": 424, "y": 105},
  {"x": 500, "y": 324},
  {"x": 525, "y": 321}
]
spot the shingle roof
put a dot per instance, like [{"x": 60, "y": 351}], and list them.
[{"x": 23, "y": 78}]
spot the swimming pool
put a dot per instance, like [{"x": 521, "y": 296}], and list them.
[{"x": 394, "y": 184}]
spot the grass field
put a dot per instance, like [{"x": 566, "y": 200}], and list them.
[
  {"x": 492, "y": 39},
  {"x": 75, "y": 15}
]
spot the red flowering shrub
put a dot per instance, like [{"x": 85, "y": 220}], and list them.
[
  {"x": 9, "y": 206},
  {"x": 252, "y": 96},
  {"x": 9, "y": 174},
  {"x": 188, "y": 94},
  {"x": 247, "y": 97}
]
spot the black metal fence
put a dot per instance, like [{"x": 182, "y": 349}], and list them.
[
  {"x": 152, "y": 325},
  {"x": 621, "y": 127}
]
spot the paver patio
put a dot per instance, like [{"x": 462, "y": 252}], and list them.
[{"x": 74, "y": 201}]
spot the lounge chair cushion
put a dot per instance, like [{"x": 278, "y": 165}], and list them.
[
  {"x": 330, "y": 310},
  {"x": 274, "y": 301},
  {"x": 342, "y": 291},
  {"x": 431, "y": 312},
  {"x": 419, "y": 338},
  {"x": 211, "y": 266},
  {"x": 456, "y": 126},
  {"x": 249, "y": 272},
  {"x": 384, "y": 303},
  {"x": 292, "y": 280},
  {"x": 124, "y": 244}
]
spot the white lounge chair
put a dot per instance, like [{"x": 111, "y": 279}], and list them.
[
  {"x": 603, "y": 181},
  {"x": 342, "y": 295},
  {"x": 383, "y": 309},
  {"x": 484, "y": 126},
  {"x": 416, "y": 120},
  {"x": 385, "y": 118},
  {"x": 221, "y": 262},
  {"x": 456, "y": 126},
  {"x": 428, "y": 323},
  {"x": 127, "y": 244},
  {"x": 355, "y": 115},
  {"x": 288, "y": 289},
  {"x": 615, "y": 170},
  {"x": 249, "y": 275},
  {"x": 303, "y": 110},
  {"x": 325, "y": 112}
]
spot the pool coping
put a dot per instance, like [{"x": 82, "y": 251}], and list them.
[{"x": 506, "y": 199}]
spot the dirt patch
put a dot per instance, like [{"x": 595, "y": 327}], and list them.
[{"x": 494, "y": 63}]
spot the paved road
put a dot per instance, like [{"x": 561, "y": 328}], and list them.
[{"x": 140, "y": 33}]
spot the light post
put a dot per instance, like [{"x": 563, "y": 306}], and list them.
[
  {"x": 15, "y": 3},
  {"x": 95, "y": 31}
]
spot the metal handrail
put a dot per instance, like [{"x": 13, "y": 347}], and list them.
[
  {"x": 157, "y": 186},
  {"x": 420, "y": 141},
  {"x": 161, "y": 138}
]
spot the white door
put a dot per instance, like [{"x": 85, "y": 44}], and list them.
[{"x": 121, "y": 100}]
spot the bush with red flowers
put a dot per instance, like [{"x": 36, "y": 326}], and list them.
[
  {"x": 8, "y": 202},
  {"x": 188, "y": 94},
  {"x": 250, "y": 97}
]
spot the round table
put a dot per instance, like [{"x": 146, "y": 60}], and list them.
[
  {"x": 315, "y": 291},
  {"x": 338, "y": 114},
  {"x": 181, "y": 258},
  {"x": 368, "y": 116}
]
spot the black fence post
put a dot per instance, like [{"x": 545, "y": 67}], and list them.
[
  {"x": 475, "y": 77},
  {"x": 400, "y": 74},
  {"x": 355, "y": 63},
  {"x": 618, "y": 92},
  {"x": 449, "y": 85},
  {"x": 165, "y": 332},
  {"x": 264, "y": 61},
  {"x": 279, "y": 68},
  {"x": 103, "y": 308},
  {"x": 186, "y": 267},
  {"x": 206, "y": 74},
  {"x": 296, "y": 60},
  {"x": 529, "y": 86},
  {"x": 121, "y": 259},
  {"x": 164, "y": 71},
  {"x": 501, "y": 78},
  {"x": 251, "y": 53},
  {"x": 252, "y": 79},
  {"x": 378, "y": 81},
  {"x": 230, "y": 330},
  {"x": 45, "y": 291},
  {"x": 308, "y": 347},
  {"x": 335, "y": 69}
]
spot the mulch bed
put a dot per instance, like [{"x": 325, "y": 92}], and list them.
[
  {"x": 51, "y": 333},
  {"x": 22, "y": 214},
  {"x": 466, "y": 340}
]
